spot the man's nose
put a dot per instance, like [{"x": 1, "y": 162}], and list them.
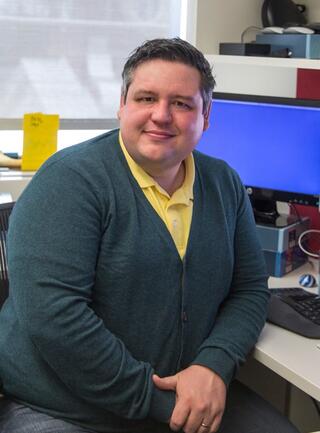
[{"x": 161, "y": 112}]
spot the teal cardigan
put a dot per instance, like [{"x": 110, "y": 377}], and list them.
[{"x": 100, "y": 299}]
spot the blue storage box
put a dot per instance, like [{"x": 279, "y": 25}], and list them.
[{"x": 303, "y": 46}]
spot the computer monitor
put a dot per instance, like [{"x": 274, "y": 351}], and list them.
[{"x": 274, "y": 145}]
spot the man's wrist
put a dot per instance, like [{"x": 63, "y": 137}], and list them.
[
  {"x": 162, "y": 405},
  {"x": 218, "y": 361}
]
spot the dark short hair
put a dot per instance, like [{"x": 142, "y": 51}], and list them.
[{"x": 173, "y": 50}]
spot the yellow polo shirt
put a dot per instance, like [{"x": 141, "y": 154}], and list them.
[{"x": 175, "y": 211}]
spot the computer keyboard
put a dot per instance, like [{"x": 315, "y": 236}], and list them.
[{"x": 296, "y": 310}]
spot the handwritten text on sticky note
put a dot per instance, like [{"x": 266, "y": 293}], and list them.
[{"x": 40, "y": 133}]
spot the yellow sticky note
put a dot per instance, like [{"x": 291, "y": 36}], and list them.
[{"x": 40, "y": 135}]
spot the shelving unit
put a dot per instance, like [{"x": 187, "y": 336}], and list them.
[
  {"x": 258, "y": 75},
  {"x": 220, "y": 21}
]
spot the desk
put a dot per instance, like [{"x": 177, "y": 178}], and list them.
[
  {"x": 295, "y": 358},
  {"x": 14, "y": 181}
]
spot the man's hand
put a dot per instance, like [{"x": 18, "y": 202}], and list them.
[{"x": 201, "y": 396}]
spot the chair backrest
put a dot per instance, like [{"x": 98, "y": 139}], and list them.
[{"x": 5, "y": 210}]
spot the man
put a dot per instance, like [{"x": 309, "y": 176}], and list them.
[{"x": 137, "y": 285}]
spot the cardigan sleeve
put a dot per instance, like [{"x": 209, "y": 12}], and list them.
[
  {"x": 53, "y": 248},
  {"x": 243, "y": 313}
]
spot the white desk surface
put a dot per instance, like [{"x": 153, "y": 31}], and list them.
[{"x": 293, "y": 357}]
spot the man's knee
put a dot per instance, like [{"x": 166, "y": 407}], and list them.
[{"x": 246, "y": 412}]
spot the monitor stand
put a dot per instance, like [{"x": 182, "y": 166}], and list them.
[{"x": 265, "y": 212}]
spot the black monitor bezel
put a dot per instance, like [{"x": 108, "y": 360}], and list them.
[{"x": 257, "y": 193}]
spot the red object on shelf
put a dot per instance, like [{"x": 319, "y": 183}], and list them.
[
  {"x": 314, "y": 215},
  {"x": 308, "y": 87},
  {"x": 308, "y": 84}
]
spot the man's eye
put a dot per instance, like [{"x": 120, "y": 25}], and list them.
[
  {"x": 183, "y": 105},
  {"x": 145, "y": 99}
]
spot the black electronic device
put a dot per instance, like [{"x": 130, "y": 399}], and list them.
[
  {"x": 252, "y": 49},
  {"x": 273, "y": 143},
  {"x": 244, "y": 49},
  {"x": 295, "y": 309},
  {"x": 283, "y": 13}
]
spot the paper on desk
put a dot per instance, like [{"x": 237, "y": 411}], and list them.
[{"x": 40, "y": 132}]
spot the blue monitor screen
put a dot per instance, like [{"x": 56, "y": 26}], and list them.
[{"x": 273, "y": 143}]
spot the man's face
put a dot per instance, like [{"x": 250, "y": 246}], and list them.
[{"x": 162, "y": 119}]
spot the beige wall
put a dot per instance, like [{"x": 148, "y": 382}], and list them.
[
  {"x": 313, "y": 10},
  {"x": 224, "y": 21}
]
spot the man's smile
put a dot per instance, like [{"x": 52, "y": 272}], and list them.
[{"x": 159, "y": 134}]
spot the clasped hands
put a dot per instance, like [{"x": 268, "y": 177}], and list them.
[{"x": 200, "y": 399}]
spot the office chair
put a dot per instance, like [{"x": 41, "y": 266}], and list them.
[{"x": 5, "y": 210}]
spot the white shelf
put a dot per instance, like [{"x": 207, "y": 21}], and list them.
[
  {"x": 265, "y": 76},
  {"x": 264, "y": 61}
]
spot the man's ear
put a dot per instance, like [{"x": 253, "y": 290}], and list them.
[
  {"x": 122, "y": 102},
  {"x": 206, "y": 122}
]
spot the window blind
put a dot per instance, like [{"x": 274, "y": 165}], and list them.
[{"x": 66, "y": 56}]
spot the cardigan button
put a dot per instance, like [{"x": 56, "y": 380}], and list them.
[{"x": 184, "y": 316}]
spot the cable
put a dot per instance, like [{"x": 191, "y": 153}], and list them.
[
  {"x": 295, "y": 210},
  {"x": 311, "y": 254},
  {"x": 247, "y": 29}
]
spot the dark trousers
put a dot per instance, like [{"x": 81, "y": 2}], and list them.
[{"x": 245, "y": 412}]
